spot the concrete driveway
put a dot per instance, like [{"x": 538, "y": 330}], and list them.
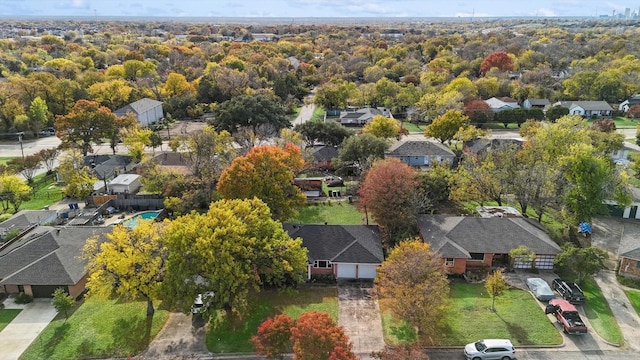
[
  {"x": 181, "y": 336},
  {"x": 359, "y": 315},
  {"x": 20, "y": 333}
]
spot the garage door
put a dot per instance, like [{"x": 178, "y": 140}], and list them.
[
  {"x": 346, "y": 271},
  {"x": 367, "y": 271},
  {"x": 45, "y": 291},
  {"x": 544, "y": 262}
]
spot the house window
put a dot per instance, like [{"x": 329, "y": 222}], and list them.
[
  {"x": 637, "y": 264},
  {"x": 476, "y": 256},
  {"x": 322, "y": 264},
  {"x": 448, "y": 262}
]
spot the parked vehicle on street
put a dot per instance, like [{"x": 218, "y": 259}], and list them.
[
  {"x": 540, "y": 289},
  {"x": 486, "y": 349},
  {"x": 569, "y": 291},
  {"x": 567, "y": 316}
]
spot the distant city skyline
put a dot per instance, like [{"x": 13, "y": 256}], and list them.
[{"x": 319, "y": 8}]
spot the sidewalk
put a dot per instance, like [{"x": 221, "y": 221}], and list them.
[
  {"x": 16, "y": 337},
  {"x": 622, "y": 310}
]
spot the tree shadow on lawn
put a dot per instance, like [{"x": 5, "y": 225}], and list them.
[
  {"x": 404, "y": 333},
  {"x": 517, "y": 332},
  {"x": 55, "y": 339},
  {"x": 132, "y": 334}
]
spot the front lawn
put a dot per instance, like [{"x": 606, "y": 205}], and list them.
[
  {"x": 98, "y": 328},
  {"x": 621, "y": 122},
  {"x": 599, "y": 313},
  {"x": 518, "y": 317},
  {"x": 46, "y": 192},
  {"x": 634, "y": 299},
  {"x": 227, "y": 335},
  {"x": 318, "y": 114},
  {"x": 6, "y": 315},
  {"x": 331, "y": 212}
]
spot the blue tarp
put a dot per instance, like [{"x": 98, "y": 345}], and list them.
[{"x": 585, "y": 228}]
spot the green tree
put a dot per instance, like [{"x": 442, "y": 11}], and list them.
[
  {"x": 250, "y": 111},
  {"x": 334, "y": 94},
  {"x": 326, "y": 132},
  {"x": 88, "y": 122},
  {"x": 77, "y": 177},
  {"x": 233, "y": 250},
  {"x": 556, "y": 112},
  {"x": 63, "y": 302},
  {"x": 358, "y": 153},
  {"x": 495, "y": 286},
  {"x": 582, "y": 262},
  {"x": 414, "y": 281},
  {"x": 130, "y": 263},
  {"x": 38, "y": 114},
  {"x": 382, "y": 127},
  {"x": 445, "y": 127}
]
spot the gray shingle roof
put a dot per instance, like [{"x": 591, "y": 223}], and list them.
[
  {"x": 139, "y": 107},
  {"x": 419, "y": 148},
  {"x": 25, "y": 218},
  {"x": 325, "y": 153},
  {"x": 47, "y": 256},
  {"x": 340, "y": 243},
  {"x": 587, "y": 105},
  {"x": 629, "y": 242},
  {"x": 539, "y": 102},
  {"x": 456, "y": 236}
]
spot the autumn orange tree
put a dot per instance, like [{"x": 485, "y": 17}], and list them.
[
  {"x": 478, "y": 112},
  {"x": 499, "y": 59},
  {"x": 86, "y": 123},
  {"x": 267, "y": 173},
  {"x": 414, "y": 281},
  {"x": 313, "y": 337},
  {"x": 388, "y": 193}
]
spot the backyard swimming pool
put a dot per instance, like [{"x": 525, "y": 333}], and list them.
[{"x": 147, "y": 215}]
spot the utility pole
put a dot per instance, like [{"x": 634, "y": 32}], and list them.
[{"x": 20, "y": 135}]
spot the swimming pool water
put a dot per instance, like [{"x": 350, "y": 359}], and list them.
[{"x": 148, "y": 215}]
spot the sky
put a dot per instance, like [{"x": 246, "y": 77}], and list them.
[{"x": 316, "y": 8}]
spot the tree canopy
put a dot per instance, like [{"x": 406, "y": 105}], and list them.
[{"x": 250, "y": 111}]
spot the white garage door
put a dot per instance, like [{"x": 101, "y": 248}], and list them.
[
  {"x": 346, "y": 271},
  {"x": 367, "y": 271},
  {"x": 544, "y": 262}
]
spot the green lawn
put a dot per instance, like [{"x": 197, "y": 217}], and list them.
[
  {"x": 331, "y": 212},
  {"x": 622, "y": 122},
  {"x": 599, "y": 313},
  {"x": 6, "y": 315},
  {"x": 318, "y": 113},
  {"x": 469, "y": 317},
  {"x": 295, "y": 114},
  {"x": 232, "y": 335},
  {"x": 46, "y": 193},
  {"x": 4, "y": 160},
  {"x": 634, "y": 298},
  {"x": 98, "y": 328},
  {"x": 413, "y": 128}
]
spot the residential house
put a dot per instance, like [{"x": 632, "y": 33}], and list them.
[
  {"x": 420, "y": 152},
  {"x": 45, "y": 259},
  {"x": 470, "y": 244},
  {"x": 630, "y": 211},
  {"x": 323, "y": 156},
  {"x": 147, "y": 111},
  {"x": 362, "y": 116},
  {"x": 124, "y": 184},
  {"x": 173, "y": 162},
  {"x": 629, "y": 251},
  {"x": 106, "y": 167},
  {"x": 26, "y": 219},
  {"x": 263, "y": 36},
  {"x": 483, "y": 145},
  {"x": 341, "y": 251},
  {"x": 587, "y": 108},
  {"x": 541, "y": 104},
  {"x": 502, "y": 104},
  {"x": 631, "y": 101}
]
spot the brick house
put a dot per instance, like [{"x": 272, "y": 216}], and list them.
[{"x": 629, "y": 252}]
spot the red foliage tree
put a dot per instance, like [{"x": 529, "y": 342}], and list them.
[
  {"x": 604, "y": 125},
  {"x": 401, "y": 353},
  {"x": 272, "y": 340},
  {"x": 634, "y": 112},
  {"x": 479, "y": 112},
  {"x": 317, "y": 337},
  {"x": 388, "y": 193},
  {"x": 499, "y": 59}
]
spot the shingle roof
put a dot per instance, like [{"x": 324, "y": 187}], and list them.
[
  {"x": 25, "y": 218},
  {"x": 629, "y": 244},
  {"x": 587, "y": 105},
  {"x": 539, "y": 102},
  {"x": 47, "y": 256},
  {"x": 138, "y": 107},
  {"x": 454, "y": 236},
  {"x": 419, "y": 148},
  {"x": 339, "y": 243},
  {"x": 325, "y": 153}
]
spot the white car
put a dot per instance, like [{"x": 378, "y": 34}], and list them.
[
  {"x": 201, "y": 303},
  {"x": 500, "y": 349}
]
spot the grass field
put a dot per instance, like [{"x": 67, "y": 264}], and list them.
[
  {"x": 599, "y": 313},
  {"x": 46, "y": 192},
  {"x": 98, "y": 328},
  {"x": 6, "y": 315},
  {"x": 634, "y": 298},
  {"x": 318, "y": 114},
  {"x": 331, "y": 212},
  {"x": 232, "y": 335},
  {"x": 469, "y": 317}
]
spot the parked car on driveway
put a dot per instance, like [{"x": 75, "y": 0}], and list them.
[
  {"x": 500, "y": 349},
  {"x": 567, "y": 316},
  {"x": 540, "y": 289},
  {"x": 569, "y": 291}
]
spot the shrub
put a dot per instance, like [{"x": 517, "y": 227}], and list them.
[
  {"x": 23, "y": 298},
  {"x": 628, "y": 282}
]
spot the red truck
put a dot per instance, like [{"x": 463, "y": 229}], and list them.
[{"x": 567, "y": 316}]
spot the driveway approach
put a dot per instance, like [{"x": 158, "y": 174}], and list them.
[
  {"x": 359, "y": 315},
  {"x": 20, "y": 333}
]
